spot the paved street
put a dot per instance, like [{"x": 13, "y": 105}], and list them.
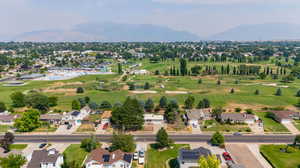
[{"x": 151, "y": 138}]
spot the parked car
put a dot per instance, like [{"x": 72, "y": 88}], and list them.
[
  {"x": 69, "y": 126},
  {"x": 42, "y": 145},
  {"x": 237, "y": 134},
  {"x": 227, "y": 156},
  {"x": 141, "y": 157},
  {"x": 135, "y": 156}
]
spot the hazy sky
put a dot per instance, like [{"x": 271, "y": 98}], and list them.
[{"x": 203, "y": 17}]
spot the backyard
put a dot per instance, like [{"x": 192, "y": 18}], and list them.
[{"x": 280, "y": 159}]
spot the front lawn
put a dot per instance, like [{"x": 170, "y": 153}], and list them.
[
  {"x": 270, "y": 125},
  {"x": 18, "y": 146},
  {"x": 75, "y": 153},
  {"x": 280, "y": 159},
  {"x": 45, "y": 129},
  {"x": 297, "y": 124},
  {"x": 156, "y": 158},
  {"x": 4, "y": 128},
  {"x": 213, "y": 126}
]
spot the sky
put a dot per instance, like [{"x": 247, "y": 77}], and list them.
[{"x": 202, "y": 17}]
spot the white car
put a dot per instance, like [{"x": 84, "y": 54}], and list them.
[
  {"x": 141, "y": 157},
  {"x": 135, "y": 156}
]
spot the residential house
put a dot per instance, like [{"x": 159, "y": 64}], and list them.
[
  {"x": 153, "y": 119},
  {"x": 52, "y": 118},
  {"x": 45, "y": 159},
  {"x": 193, "y": 116},
  {"x": 76, "y": 117},
  {"x": 101, "y": 158},
  {"x": 286, "y": 116},
  {"x": 239, "y": 118},
  {"x": 8, "y": 119},
  {"x": 189, "y": 158},
  {"x": 139, "y": 72}
]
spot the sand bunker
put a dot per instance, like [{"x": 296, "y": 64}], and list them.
[
  {"x": 144, "y": 92},
  {"x": 176, "y": 92}
]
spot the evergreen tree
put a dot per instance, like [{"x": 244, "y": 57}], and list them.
[
  {"x": 170, "y": 114},
  {"x": 2, "y": 107},
  {"x": 183, "y": 67},
  {"x": 120, "y": 71},
  {"x": 149, "y": 105},
  {"x": 80, "y": 90},
  {"x": 163, "y": 102},
  {"x": 199, "y": 81},
  {"x": 256, "y": 92},
  {"x": 206, "y": 103},
  {"x": 232, "y": 90},
  {"x": 162, "y": 138},
  {"x": 146, "y": 86},
  {"x": 298, "y": 93},
  {"x": 278, "y": 92},
  {"x": 76, "y": 105},
  {"x": 189, "y": 102}
]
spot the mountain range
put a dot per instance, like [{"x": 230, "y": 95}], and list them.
[{"x": 116, "y": 32}]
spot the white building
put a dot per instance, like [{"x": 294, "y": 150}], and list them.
[
  {"x": 76, "y": 117},
  {"x": 153, "y": 119}
]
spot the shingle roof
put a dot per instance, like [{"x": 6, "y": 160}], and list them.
[
  {"x": 51, "y": 117},
  {"x": 194, "y": 154},
  {"x": 104, "y": 156},
  {"x": 43, "y": 156}
]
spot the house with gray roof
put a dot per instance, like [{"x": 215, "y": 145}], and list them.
[
  {"x": 45, "y": 159},
  {"x": 193, "y": 116},
  {"x": 238, "y": 118},
  {"x": 189, "y": 158}
]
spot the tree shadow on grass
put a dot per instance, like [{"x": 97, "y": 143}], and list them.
[{"x": 173, "y": 163}]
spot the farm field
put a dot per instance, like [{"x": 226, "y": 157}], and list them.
[{"x": 280, "y": 159}]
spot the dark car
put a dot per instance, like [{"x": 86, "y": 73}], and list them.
[
  {"x": 237, "y": 134},
  {"x": 42, "y": 145},
  {"x": 69, "y": 126}
]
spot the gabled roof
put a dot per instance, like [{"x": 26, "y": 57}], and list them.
[
  {"x": 195, "y": 154},
  {"x": 51, "y": 117},
  {"x": 102, "y": 156},
  {"x": 43, "y": 156},
  {"x": 75, "y": 113}
]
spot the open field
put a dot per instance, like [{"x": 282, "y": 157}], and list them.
[
  {"x": 75, "y": 154},
  {"x": 213, "y": 126},
  {"x": 270, "y": 125},
  {"x": 219, "y": 95},
  {"x": 156, "y": 158},
  {"x": 280, "y": 159}
]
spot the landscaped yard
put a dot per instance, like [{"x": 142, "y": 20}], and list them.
[
  {"x": 297, "y": 124},
  {"x": 213, "y": 126},
  {"x": 75, "y": 153},
  {"x": 270, "y": 125},
  {"x": 18, "y": 146},
  {"x": 45, "y": 129},
  {"x": 159, "y": 159},
  {"x": 4, "y": 128},
  {"x": 280, "y": 159}
]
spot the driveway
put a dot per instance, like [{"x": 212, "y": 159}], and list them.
[
  {"x": 256, "y": 129},
  {"x": 242, "y": 155},
  {"x": 291, "y": 128},
  {"x": 59, "y": 146},
  {"x": 62, "y": 129},
  {"x": 254, "y": 148}
]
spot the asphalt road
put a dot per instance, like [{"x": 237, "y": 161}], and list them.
[{"x": 151, "y": 138}]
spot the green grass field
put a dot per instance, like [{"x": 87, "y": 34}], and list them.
[
  {"x": 213, "y": 126},
  {"x": 218, "y": 94},
  {"x": 4, "y": 128},
  {"x": 270, "y": 125},
  {"x": 280, "y": 159},
  {"x": 159, "y": 159},
  {"x": 75, "y": 153}
]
